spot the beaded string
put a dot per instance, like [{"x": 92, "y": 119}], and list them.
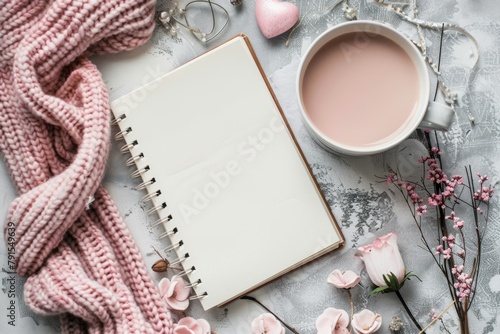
[
  {"x": 450, "y": 97},
  {"x": 350, "y": 13},
  {"x": 169, "y": 20}
]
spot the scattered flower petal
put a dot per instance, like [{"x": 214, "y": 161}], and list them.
[
  {"x": 175, "y": 292},
  {"x": 332, "y": 321},
  {"x": 343, "y": 280},
  {"x": 366, "y": 322},
  {"x": 267, "y": 323},
  {"x": 189, "y": 325}
]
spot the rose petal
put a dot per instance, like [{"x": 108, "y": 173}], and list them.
[
  {"x": 171, "y": 289},
  {"x": 189, "y": 325},
  {"x": 164, "y": 285},
  {"x": 187, "y": 321},
  {"x": 343, "y": 321},
  {"x": 393, "y": 241},
  {"x": 326, "y": 324},
  {"x": 183, "y": 330},
  {"x": 336, "y": 279},
  {"x": 181, "y": 291},
  {"x": 343, "y": 280},
  {"x": 196, "y": 328},
  {"x": 351, "y": 278},
  {"x": 377, "y": 264},
  {"x": 175, "y": 304},
  {"x": 267, "y": 323},
  {"x": 332, "y": 320},
  {"x": 257, "y": 325},
  {"x": 205, "y": 326},
  {"x": 383, "y": 257}
]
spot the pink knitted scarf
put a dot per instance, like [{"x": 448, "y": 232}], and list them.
[{"x": 54, "y": 133}]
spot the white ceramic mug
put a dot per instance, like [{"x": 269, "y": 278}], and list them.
[{"x": 430, "y": 115}]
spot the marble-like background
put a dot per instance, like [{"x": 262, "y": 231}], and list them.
[{"x": 364, "y": 207}]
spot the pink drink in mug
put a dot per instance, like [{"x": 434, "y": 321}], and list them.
[{"x": 363, "y": 88}]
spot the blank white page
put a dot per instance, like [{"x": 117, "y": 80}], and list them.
[{"x": 242, "y": 198}]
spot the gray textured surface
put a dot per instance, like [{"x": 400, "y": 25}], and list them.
[{"x": 364, "y": 208}]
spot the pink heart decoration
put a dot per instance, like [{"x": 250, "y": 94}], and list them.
[{"x": 275, "y": 17}]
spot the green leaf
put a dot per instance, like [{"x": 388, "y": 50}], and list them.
[
  {"x": 410, "y": 274},
  {"x": 380, "y": 289},
  {"x": 394, "y": 281},
  {"x": 387, "y": 279},
  {"x": 408, "y": 278},
  {"x": 393, "y": 284}
]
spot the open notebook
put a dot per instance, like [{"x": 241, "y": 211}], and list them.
[{"x": 228, "y": 180}]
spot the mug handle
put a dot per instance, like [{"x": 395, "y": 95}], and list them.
[{"x": 437, "y": 117}]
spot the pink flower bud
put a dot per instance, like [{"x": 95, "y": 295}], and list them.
[{"x": 381, "y": 258}]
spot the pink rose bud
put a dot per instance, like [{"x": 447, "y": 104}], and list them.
[
  {"x": 381, "y": 258},
  {"x": 267, "y": 323},
  {"x": 343, "y": 280},
  {"x": 366, "y": 322},
  {"x": 332, "y": 320},
  {"x": 190, "y": 325}
]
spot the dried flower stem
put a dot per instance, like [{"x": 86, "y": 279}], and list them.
[
  {"x": 418, "y": 223},
  {"x": 448, "y": 265},
  {"x": 290, "y": 328},
  {"x": 350, "y": 301},
  {"x": 444, "y": 196}
]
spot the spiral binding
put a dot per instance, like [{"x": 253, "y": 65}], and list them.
[
  {"x": 180, "y": 260},
  {"x": 203, "y": 295},
  {"x": 162, "y": 220},
  {"x": 147, "y": 182},
  {"x": 138, "y": 172},
  {"x": 186, "y": 271},
  {"x": 128, "y": 147},
  {"x": 121, "y": 135},
  {"x": 173, "y": 246},
  {"x": 157, "y": 208},
  {"x": 195, "y": 283},
  {"x": 118, "y": 119},
  {"x": 132, "y": 160},
  {"x": 168, "y": 233},
  {"x": 150, "y": 196}
]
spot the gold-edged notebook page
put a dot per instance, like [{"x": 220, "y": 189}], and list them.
[{"x": 211, "y": 138}]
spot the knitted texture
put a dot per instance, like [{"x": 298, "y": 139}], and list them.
[{"x": 82, "y": 262}]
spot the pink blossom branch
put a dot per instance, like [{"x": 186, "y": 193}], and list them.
[
  {"x": 477, "y": 260},
  {"x": 442, "y": 223}
]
